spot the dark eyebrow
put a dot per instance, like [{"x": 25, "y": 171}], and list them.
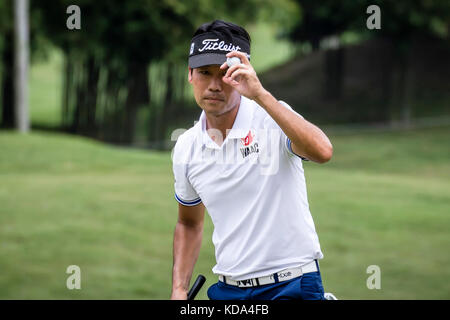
[{"x": 207, "y": 68}]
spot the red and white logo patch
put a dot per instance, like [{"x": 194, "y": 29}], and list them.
[
  {"x": 248, "y": 139},
  {"x": 250, "y": 144}
]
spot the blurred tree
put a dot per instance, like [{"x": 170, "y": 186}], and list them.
[
  {"x": 107, "y": 61},
  {"x": 324, "y": 18},
  {"x": 7, "y": 101},
  {"x": 402, "y": 22},
  {"x": 106, "y": 77}
]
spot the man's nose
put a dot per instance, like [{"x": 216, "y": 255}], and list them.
[{"x": 216, "y": 83}]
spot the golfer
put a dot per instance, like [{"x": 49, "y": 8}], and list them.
[{"x": 242, "y": 161}]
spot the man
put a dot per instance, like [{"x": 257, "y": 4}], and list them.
[{"x": 243, "y": 162}]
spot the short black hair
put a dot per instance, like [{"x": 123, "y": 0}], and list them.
[{"x": 223, "y": 28}]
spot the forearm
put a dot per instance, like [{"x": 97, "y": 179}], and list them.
[
  {"x": 186, "y": 247},
  {"x": 307, "y": 139}
]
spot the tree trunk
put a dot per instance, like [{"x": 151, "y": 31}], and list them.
[
  {"x": 137, "y": 96},
  {"x": 168, "y": 103},
  {"x": 68, "y": 84},
  {"x": 402, "y": 92},
  {"x": 408, "y": 90},
  {"x": 112, "y": 110},
  {"x": 90, "y": 107},
  {"x": 77, "y": 124},
  {"x": 21, "y": 65}
]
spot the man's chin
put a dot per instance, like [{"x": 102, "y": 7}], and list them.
[{"x": 213, "y": 106}]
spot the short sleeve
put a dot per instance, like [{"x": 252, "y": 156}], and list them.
[
  {"x": 287, "y": 142},
  {"x": 185, "y": 193}
]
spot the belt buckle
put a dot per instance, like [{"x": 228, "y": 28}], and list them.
[{"x": 246, "y": 283}]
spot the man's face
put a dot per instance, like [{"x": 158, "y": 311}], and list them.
[{"x": 211, "y": 93}]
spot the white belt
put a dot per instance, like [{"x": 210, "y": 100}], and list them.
[{"x": 283, "y": 275}]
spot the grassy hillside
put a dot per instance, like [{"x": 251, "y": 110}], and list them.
[{"x": 383, "y": 200}]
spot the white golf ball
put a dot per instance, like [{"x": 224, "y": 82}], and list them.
[{"x": 233, "y": 61}]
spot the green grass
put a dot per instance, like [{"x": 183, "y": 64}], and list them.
[{"x": 383, "y": 200}]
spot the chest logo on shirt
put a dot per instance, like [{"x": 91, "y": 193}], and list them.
[
  {"x": 250, "y": 145},
  {"x": 248, "y": 139}
]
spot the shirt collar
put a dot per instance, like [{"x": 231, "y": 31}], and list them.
[{"x": 241, "y": 125}]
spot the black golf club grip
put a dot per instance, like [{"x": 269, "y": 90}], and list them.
[{"x": 196, "y": 287}]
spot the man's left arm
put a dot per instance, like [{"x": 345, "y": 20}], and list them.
[{"x": 307, "y": 140}]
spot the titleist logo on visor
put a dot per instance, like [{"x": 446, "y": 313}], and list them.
[
  {"x": 211, "y": 48},
  {"x": 214, "y": 44}
]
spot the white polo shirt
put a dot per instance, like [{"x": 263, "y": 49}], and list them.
[{"x": 253, "y": 187}]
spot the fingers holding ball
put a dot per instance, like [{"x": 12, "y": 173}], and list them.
[{"x": 233, "y": 61}]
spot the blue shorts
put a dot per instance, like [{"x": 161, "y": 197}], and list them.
[{"x": 306, "y": 287}]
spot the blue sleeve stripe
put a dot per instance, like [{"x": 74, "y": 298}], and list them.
[
  {"x": 188, "y": 203},
  {"x": 290, "y": 149}
]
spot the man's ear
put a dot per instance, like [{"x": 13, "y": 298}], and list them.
[{"x": 190, "y": 74}]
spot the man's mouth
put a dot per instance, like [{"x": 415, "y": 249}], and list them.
[{"x": 213, "y": 98}]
